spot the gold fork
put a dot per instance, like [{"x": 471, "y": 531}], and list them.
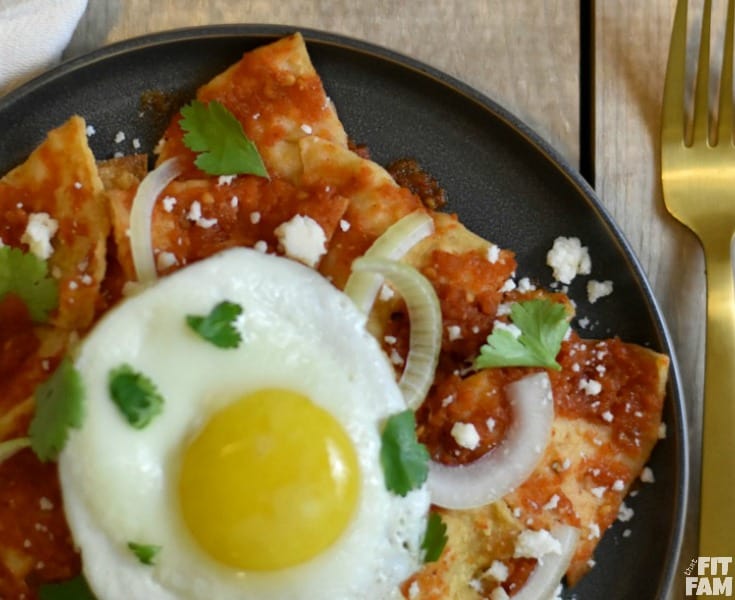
[{"x": 698, "y": 175}]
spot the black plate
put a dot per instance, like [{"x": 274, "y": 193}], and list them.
[{"x": 502, "y": 180}]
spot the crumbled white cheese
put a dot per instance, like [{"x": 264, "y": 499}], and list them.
[
  {"x": 195, "y": 215},
  {"x": 225, "y": 180},
  {"x": 118, "y": 155},
  {"x": 499, "y": 594},
  {"x": 493, "y": 253},
  {"x": 414, "y": 590},
  {"x": 45, "y": 503},
  {"x": 625, "y": 513},
  {"x": 38, "y": 233},
  {"x": 584, "y": 322},
  {"x": 306, "y": 129},
  {"x": 303, "y": 239},
  {"x": 90, "y": 130},
  {"x": 454, "y": 332},
  {"x": 475, "y": 584},
  {"x": 536, "y": 544},
  {"x": 591, "y": 387},
  {"x": 255, "y": 217},
  {"x": 525, "y": 285},
  {"x": 647, "y": 475},
  {"x": 568, "y": 258},
  {"x": 598, "y": 492},
  {"x": 165, "y": 260},
  {"x": 136, "y": 143},
  {"x": 509, "y": 285},
  {"x": 87, "y": 279},
  {"x": 78, "y": 185},
  {"x": 344, "y": 225},
  {"x": 598, "y": 289},
  {"x": 386, "y": 293},
  {"x": 119, "y": 137},
  {"x": 234, "y": 201},
  {"x": 168, "y": 203},
  {"x": 504, "y": 309},
  {"x": 552, "y": 503},
  {"x": 490, "y": 424},
  {"x": 498, "y": 571},
  {"x": 465, "y": 435},
  {"x": 618, "y": 485},
  {"x": 608, "y": 416},
  {"x": 594, "y": 531},
  {"x": 390, "y": 339},
  {"x": 261, "y": 246},
  {"x": 195, "y": 211},
  {"x": 396, "y": 358},
  {"x": 662, "y": 431}
]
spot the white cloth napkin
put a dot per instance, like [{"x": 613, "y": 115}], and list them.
[{"x": 33, "y": 34}]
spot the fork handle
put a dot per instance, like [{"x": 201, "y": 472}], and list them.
[{"x": 717, "y": 516}]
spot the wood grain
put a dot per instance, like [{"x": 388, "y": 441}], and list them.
[
  {"x": 632, "y": 40},
  {"x": 524, "y": 55}
]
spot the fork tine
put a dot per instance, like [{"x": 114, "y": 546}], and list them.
[
  {"x": 701, "y": 94},
  {"x": 724, "y": 126},
  {"x": 673, "y": 118}
]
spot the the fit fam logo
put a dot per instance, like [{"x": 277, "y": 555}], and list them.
[{"x": 709, "y": 576}]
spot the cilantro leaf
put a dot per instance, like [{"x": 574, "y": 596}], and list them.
[
  {"x": 216, "y": 134},
  {"x": 404, "y": 460},
  {"x": 218, "y": 327},
  {"x": 59, "y": 406},
  {"x": 135, "y": 395},
  {"x": 543, "y": 325},
  {"x": 26, "y": 275},
  {"x": 146, "y": 553},
  {"x": 73, "y": 589},
  {"x": 435, "y": 538}
]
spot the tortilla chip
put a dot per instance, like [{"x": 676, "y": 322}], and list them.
[
  {"x": 278, "y": 98},
  {"x": 60, "y": 179}
]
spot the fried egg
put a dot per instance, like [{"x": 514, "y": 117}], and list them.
[{"x": 260, "y": 477}]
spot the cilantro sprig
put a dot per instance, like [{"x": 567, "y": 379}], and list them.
[
  {"x": 435, "y": 538},
  {"x": 72, "y": 589},
  {"x": 26, "y": 275},
  {"x": 218, "y": 327},
  {"x": 135, "y": 395},
  {"x": 405, "y": 461},
  {"x": 216, "y": 134},
  {"x": 59, "y": 407},
  {"x": 145, "y": 553},
  {"x": 543, "y": 325}
]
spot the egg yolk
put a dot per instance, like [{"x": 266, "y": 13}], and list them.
[{"x": 269, "y": 482}]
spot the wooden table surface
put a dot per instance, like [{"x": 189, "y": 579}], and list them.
[{"x": 588, "y": 78}]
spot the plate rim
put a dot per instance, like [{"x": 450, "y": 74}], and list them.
[{"x": 251, "y": 31}]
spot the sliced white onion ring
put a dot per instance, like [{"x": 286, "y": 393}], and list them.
[
  {"x": 425, "y": 316},
  {"x": 141, "y": 213},
  {"x": 10, "y": 447},
  {"x": 393, "y": 244},
  {"x": 545, "y": 578},
  {"x": 509, "y": 464}
]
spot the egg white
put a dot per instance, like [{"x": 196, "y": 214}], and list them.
[{"x": 299, "y": 332}]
